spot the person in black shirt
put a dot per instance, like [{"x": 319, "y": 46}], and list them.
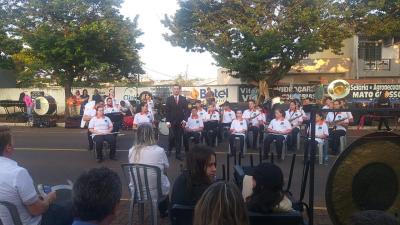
[
  {"x": 199, "y": 174},
  {"x": 384, "y": 102},
  {"x": 96, "y": 96}
]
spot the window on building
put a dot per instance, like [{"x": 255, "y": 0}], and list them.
[{"x": 370, "y": 50}]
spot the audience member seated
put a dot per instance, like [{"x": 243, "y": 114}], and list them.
[
  {"x": 88, "y": 114},
  {"x": 211, "y": 125},
  {"x": 199, "y": 174},
  {"x": 238, "y": 129},
  {"x": 278, "y": 130},
  {"x": 146, "y": 151},
  {"x": 221, "y": 204},
  {"x": 144, "y": 116},
  {"x": 101, "y": 127},
  {"x": 373, "y": 217},
  {"x": 96, "y": 196},
  {"x": 18, "y": 189},
  {"x": 262, "y": 190},
  {"x": 193, "y": 128}
]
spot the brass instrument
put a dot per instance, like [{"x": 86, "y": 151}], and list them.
[
  {"x": 338, "y": 89},
  {"x": 333, "y": 123}
]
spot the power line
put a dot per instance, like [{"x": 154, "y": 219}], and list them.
[{"x": 158, "y": 72}]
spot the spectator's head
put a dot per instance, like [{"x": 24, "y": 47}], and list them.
[
  {"x": 194, "y": 111},
  {"x": 96, "y": 195},
  {"x": 208, "y": 89},
  {"x": 336, "y": 104},
  {"x": 85, "y": 92},
  {"x": 148, "y": 97},
  {"x": 198, "y": 104},
  {"x": 77, "y": 93},
  {"x": 211, "y": 108},
  {"x": 176, "y": 89},
  {"x": 374, "y": 217},
  {"x": 144, "y": 107},
  {"x": 279, "y": 113},
  {"x": 122, "y": 103},
  {"x": 109, "y": 102},
  {"x": 319, "y": 117},
  {"x": 96, "y": 92},
  {"x": 6, "y": 145},
  {"x": 100, "y": 111},
  {"x": 21, "y": 96},
  {"x": 239, "y": 114},
  {"x": 252, "y": 104},
  {"x": 328, "y": 100},
  {"x": 202, "y": 165},
  {"x": 221, "y": 204},
  {"x": 145, "y": 137},
  {"x": 267, "y": 188}
]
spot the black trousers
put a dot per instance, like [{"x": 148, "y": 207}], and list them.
[
  {"x": 279, "y": 144},
  {"x": 110, "y": 139},
  {"x": 255, "y": 131},
  {"x": 175, "y": 137},
  {"x": 221, "y": 127},
  {"x": 292, "y": 138},
  {"x": 90, "y": 140},
  {"x": 211, "y": 131},
  {"x": 384, "y": 121},
  {"x": 232, "y": 143},
  {"x": 261, "y": 133},
  {"x": 188, "y": 135},
  {"x": 58, "y": 215},
  {"x": 334, "y": 136}
]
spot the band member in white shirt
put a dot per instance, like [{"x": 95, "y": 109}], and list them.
[
  {"x": 211, "y": 125},
  {"x": 200, "y": 110},
  {"x": 295, "y": 118},
  {"x": 238, "y": 129},
  {"x": 194, "y": 127},
  {"x": 278, "y": 130},
  {"x": 251, "y": 115},
  {"x": 144, "y": 116},
  {"x": 88, "y": 114},
  {"x": 338, "y": 121},
  {"x": 262, "y": 120},
  {"x": 101, "y": 127},
  {"x": 321, "y": 137},
  {"x": 328, "y": 103},
  {"x": 349, "y": 114},
  {"x": 228, "y": 115},
  {"x": 110, "y": 107}
]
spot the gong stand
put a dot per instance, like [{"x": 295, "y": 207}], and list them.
[{"x": 313, "y": 112}]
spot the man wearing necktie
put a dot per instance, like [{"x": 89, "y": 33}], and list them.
[{"x": 177, "y": 113}]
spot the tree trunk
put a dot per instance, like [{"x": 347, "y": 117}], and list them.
[{"x": 68, "y": 94}]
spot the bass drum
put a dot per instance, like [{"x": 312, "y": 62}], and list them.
[
  {"x": 163, "y": 128},
  {"x": 45, "y": 105}
]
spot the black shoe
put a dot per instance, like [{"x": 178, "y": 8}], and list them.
[
  {"x": 99, "y": 160},
  {"x": 114, "y": 158},
  {"x": 389, "y": 130}
]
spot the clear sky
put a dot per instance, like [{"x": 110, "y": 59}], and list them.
[{"x": 161, "y": 59}]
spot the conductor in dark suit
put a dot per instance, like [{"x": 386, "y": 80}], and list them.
[{"x": 177, "y": 113}]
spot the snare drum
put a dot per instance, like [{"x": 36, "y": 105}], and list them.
[{"x": 163, "y": 128}]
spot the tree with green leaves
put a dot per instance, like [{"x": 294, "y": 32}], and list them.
[
  {"x": 76, "y": 41},
  {"x": 376, "y": 19},
  {"x": 257, "y": 40}
]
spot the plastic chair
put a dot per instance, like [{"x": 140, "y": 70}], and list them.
[
  {"x": 140, "y": 177},
  {"x": 237, "y": 143},
  {"x": 9, "y": 214},
  {"x": 181, "y": 214},
  {"x": 284, "y": 149},
  {"x": 287, "y": 218},
  {"x": 106, "y": 148}
]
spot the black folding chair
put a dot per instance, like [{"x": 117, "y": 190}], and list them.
[
  {"x": 181, "y": 214},
  {"x": 286, "y": 218}
]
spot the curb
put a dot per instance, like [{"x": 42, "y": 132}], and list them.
[{"x": 26, "y": 124}]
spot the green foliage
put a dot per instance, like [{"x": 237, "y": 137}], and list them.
[
  {"x": 260, "y": 39},
  {"x": 375, "y": 19}
]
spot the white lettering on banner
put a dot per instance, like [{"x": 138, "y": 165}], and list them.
[{"x": 217, "y": 93}]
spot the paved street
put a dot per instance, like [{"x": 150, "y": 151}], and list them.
[{"x": 53, "y": 155}]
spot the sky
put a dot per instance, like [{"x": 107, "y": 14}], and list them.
[{"x": 161, "y": 60}]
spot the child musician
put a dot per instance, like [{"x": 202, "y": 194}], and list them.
[
  {"x": 194, "y": 127},
  {"x": 321, "y": 136},
  {"x": 338, "y": 121},
  {"x": 228, "y": 115},
  {"x": 295, "y": 118},
  {"x": 211, "y": 125},
  {"x": 251, "y": 115},
  {"x": 278, "y": 130},
  {"x": 238, "y": 129}
]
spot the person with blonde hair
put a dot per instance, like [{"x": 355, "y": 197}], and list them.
[
  {"x": 146, "y": 151},
  {"x": 221, "y": 204}
]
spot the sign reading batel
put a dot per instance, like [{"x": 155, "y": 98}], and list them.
[{"x": 221, "y": 93}]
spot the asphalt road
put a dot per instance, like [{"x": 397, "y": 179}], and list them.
[{"x": 54, "y": 155}]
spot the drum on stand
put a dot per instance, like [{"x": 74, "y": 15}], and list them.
[{"x": 45, "y": 105}]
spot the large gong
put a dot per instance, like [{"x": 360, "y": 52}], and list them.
[{"x": 365, "y": 177}]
